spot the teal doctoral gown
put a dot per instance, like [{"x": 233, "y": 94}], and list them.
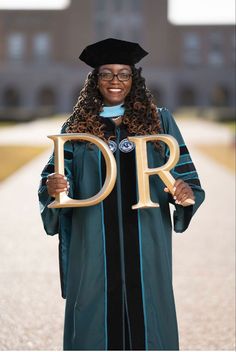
[{"x": 115, "y": 262}]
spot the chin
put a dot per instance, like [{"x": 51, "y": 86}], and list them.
[{"x": 114, "y": 101}]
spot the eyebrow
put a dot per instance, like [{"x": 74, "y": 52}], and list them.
[{"x": 126, "y": 70}]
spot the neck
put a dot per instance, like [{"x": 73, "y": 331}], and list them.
[{"x": 117, "y": 120}]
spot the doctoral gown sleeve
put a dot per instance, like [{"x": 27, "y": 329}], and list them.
[
  {"x": 51, "y": 217},
  {"x": 184, "y": 170},
  {"x": 58, "y": 221}
]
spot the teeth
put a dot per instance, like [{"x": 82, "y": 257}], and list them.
[{"x": 114, "y": 90}]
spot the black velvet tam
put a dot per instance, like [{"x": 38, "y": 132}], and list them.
[{"x": 112, "y": 51}]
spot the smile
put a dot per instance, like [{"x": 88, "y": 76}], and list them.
[{"x": 115, "y": 90}]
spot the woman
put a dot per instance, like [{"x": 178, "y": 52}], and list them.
[{"x": 116, "y": 262}]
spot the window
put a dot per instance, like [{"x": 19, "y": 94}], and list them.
[
  {"x": 220, "y": 96},
  {"x": 11, "y": 97},
  {"x": 118, "y": 19},
  {"x": 233, "y": 47},
  {"x": 46, "y": 97},
  {"x": 187, "y": 96},
  {"x": 42, "y": 47},
  {"x": 191, "y": 49},
  {"x": 16, "y": 46},
  {"x": 215, "y": 52}
]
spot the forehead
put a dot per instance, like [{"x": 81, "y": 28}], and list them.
[{"x": 115, "y": 67}]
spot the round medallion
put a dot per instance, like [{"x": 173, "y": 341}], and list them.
[
  {"x": 126, "y": 146},
  {"x": 112, "y": 146}
]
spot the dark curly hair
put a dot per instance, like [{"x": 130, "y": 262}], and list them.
[{"x": 141, "y": 116}]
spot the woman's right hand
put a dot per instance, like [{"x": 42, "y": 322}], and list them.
[{"x": 57, "y": 183}]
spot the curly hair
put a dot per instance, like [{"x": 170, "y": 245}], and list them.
[{"x": 141, "y": 116}]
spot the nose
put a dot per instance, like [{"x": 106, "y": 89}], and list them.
[{"x": 115, "y": 76}]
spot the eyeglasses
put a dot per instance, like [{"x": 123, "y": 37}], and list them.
[{"x": 109, "y": 76}]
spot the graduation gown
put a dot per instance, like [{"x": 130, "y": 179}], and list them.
[{"x": 115, "y": 262}]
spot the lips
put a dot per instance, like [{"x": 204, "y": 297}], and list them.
[{"x": 114, "y": 90}]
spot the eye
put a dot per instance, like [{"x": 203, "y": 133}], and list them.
[
  {"x": 124, "y": 75},
  {"x": 107, "y": 76}
]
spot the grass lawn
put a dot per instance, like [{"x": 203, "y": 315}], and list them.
[
  {"x": 7, "y": 123},
  {"x": 229, "y": 124},
  {"x": 14, "y": 156},
  {"x": 223, "y": 154}
]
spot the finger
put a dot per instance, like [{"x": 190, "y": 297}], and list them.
[
  {"x": 188, "y": 202},
  {"x": 189, "y": 195},
  {"x": 56, "y": 176},
  {"x": 181, "y": 186},
  {"x": 178, "y": 182},
  {"x": 184, "y": 197},
  {"x": 52, "y": 187},
  {"x": 183, "y": 192},
  {"x": 186, "y": 192},
  {"x": 59, "y": 190},
  {"x": 55, "y": 192},
  {"x": 177, "y": 186},
  {"x": 180, "y": 189},
  {"x": 56, "y": 183},
  {"x": 57, "y": 187}
]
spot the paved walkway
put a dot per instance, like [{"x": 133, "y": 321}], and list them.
[{"x": 31, "y": 309}]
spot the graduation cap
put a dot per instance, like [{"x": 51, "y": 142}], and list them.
[{"x": 112, "y": 51}]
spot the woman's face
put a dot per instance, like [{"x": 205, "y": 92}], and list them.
[{"x": 114, "y": 89}]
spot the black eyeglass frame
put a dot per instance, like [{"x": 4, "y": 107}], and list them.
[{"x": 114, "y": 75}]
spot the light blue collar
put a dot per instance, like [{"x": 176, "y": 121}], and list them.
[{"x": 112, "y": 111}]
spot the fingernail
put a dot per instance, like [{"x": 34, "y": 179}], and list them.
[
  {"x": 174, "y": 189},
  {"x": 174, "y": 197},
  {"x": 65, "y": 178},
  {"x": 65, "y": 189}
]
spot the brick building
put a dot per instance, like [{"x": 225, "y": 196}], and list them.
[{"x": 187, "y": 65}]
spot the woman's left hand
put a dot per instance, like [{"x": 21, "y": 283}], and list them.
[{"x": 182, "y": 191}]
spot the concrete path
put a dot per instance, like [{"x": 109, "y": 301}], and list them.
[
  {"x": 31, "y": 309},
  {"x": 204, "y": 256}
]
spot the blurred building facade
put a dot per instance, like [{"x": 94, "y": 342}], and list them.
[{"x": 39, "y": 66}]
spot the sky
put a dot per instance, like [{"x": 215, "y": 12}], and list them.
[
  {"x": 33, "y": 4},
  {"x": 186, "y": 12},
  {"x": 182, "y": 12}
]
